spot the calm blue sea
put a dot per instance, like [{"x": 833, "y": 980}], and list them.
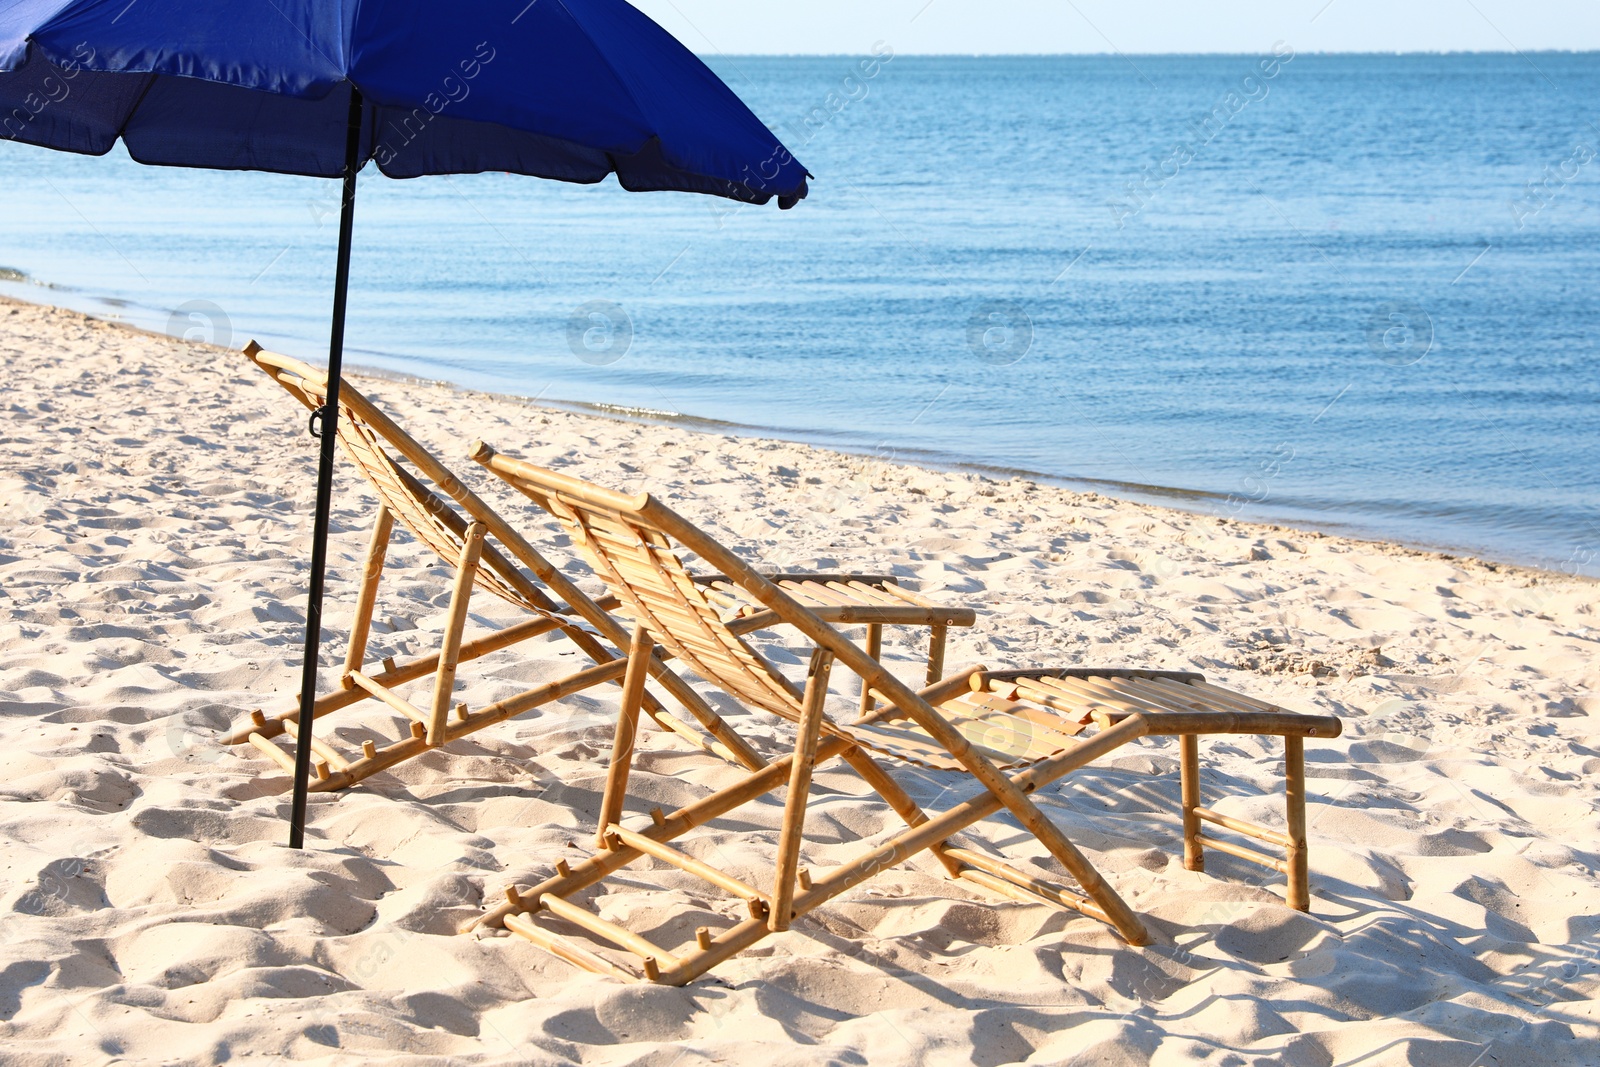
[{"x": 1359, "y": 294}]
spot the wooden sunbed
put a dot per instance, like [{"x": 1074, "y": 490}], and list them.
[
  {"x": 1038, "y": 724},
  {"x": 486, "y": 552}
]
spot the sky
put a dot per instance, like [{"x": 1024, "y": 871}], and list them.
[{"x": 851, "y": 27}]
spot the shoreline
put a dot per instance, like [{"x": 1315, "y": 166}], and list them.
[{"x": 1153, "y": 495}]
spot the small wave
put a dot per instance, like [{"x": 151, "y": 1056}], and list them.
[{"x": 647, "y": 413}]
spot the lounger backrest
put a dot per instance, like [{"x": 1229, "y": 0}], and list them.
[
  {"x": 373, "y": 443},
  {"x": 636, "y": 560}
]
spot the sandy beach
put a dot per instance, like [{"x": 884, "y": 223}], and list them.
[{"x": 154, "y": 540}]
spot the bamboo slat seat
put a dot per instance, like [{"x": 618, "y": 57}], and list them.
[{"x": 1012, "y": 731}]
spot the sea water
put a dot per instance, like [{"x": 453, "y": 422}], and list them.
[{"x": 1355, "y": 293}]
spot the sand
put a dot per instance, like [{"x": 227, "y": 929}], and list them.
[{"x": 153, "y": 540}]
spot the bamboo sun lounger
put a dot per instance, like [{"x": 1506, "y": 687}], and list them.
[
  {"x": 484, "y": 550},
  {"x": 1039, "y": 724}
]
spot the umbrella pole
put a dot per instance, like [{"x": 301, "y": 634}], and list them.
[{"x": 325, "y": 428}]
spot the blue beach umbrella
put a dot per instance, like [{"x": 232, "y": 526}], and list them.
[{"x": 572, "y": 90}]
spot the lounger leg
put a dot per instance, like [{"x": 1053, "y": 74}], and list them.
[
  {"x": 1194, "y": 857},
  {"x": 936, "y": 639},
  {"x": 377, "y": 549},
  {"x": 875, "y": 650},
  {"x": 1294, "y": 787},
  {"x": 639, "y": 656},
  {"x": 794, "y": 809},
  {"x": 444, "y": 681}
]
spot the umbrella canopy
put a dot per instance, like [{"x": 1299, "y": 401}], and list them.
[{"x": 565, "y": 89}]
